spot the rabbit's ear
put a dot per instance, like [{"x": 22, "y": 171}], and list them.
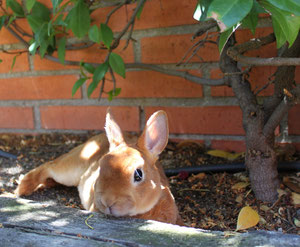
[
  {"x": 113, "y": 131},
  {"x": 156, "y": 133}
]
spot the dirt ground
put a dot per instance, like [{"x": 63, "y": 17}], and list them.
[{"x": 209, "y": 201}]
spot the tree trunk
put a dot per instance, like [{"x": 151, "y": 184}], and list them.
[{"x": 261, "y": 162}]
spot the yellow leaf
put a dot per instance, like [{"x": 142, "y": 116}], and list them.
[
  {"x": 247, "y": 218},
  {"x": 240, "y": 185},
  {"x": 224, "y": 154},
  {"x": 296, "y": 198}
]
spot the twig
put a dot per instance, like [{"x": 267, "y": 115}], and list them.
[
  {"x": 101, "y": 89},
  {"x": 129, "y": 35},
  {"x": 264, "y": 87},
  {"x": 130, "y": 22},
  {"x": 113, "y": 79},
  {"x": 120, "y": 5},
  {"x": 87, "y": 222}
]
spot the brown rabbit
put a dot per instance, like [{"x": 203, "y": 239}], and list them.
[{"x": 116, "y": 174}]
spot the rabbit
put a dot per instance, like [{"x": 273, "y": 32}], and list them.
[{"x": 116, "y": 174}]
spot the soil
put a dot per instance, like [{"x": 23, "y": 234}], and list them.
[{"x": 209, "y": 201}]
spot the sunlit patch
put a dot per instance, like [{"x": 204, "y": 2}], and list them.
[
  {"x": 153, "y": 184},
  {"x": 89, "y": 150}
]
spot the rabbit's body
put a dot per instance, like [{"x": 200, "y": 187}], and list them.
[{"x": 116, "y": 174}]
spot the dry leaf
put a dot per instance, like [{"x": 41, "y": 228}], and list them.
[
  {"x": 239, "y": 199},
  {"x": 296, "y": 198},
  {"x": 240, "y": 185},
  {"x": 224, "y": 154},
  {"x": 247, "y": 218},
  {"x": 281, "y": 192},
  {"x": 264, "y": 208},
  {"x": 291, "y": 184}
]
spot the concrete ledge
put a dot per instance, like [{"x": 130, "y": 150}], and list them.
[{"x": 28, "y": 223}]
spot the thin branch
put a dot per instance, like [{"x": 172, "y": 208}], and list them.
[
  {"x": 101, "y": 89},
  {"x": 17, "y": 36},
  {"x": 183, "y": 74},
  {"x": 120, "y": 5},
  {"x": 113, "y": 79},
  {"x": 290, "y": 99},
  {"x": 235, "y": 53},
  {"x": 130, "y": 22},
  {"x": 205, "y": 26}
]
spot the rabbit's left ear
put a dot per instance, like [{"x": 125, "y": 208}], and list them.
[
  {"x": 156, "y": 133},
  {"x": 113, "y": 131}
]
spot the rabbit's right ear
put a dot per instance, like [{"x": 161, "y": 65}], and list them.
[
  {"x": 113, "y": 131},
  {"x": 155, "y": 135}
]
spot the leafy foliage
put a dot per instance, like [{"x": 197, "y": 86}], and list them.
[{"x": 231, "y": 14}]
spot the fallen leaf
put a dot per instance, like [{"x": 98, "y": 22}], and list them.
[
  {"x": 240, "y": 185},
  {"x": 224, "y": 154},
  {"x": 296, "y": 198},
  {"x": 239, "y": 199},
  {"x": 297, "y": 222},
  {"x": 281, "y": 192},
  {"x": 247, "y": 218},
  {"x": 291, "y": 184},
  {"x": 264, "y": 208}
]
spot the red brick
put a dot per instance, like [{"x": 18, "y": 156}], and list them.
[
  {"x": 149, "y": 84},
  {"x": 156, "y": 14},
  {"x": 229, "y": 146},
  {"x": 87, "y": 117},
  {"x": 16, "y": 118},
  {"x": 294, "y": 120},
  {"x": 21, "y": 62},
  {"x": 171, "y": 49},
  {"x": 90, "y": 55},
  {"x": 38, "y": 87},
  {"x": 223, "y": 120}
]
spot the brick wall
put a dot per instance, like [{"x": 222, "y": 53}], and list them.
[{"x": 35, "y": 97}]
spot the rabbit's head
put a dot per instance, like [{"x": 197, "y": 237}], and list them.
[{"x": 129, "y": 182}]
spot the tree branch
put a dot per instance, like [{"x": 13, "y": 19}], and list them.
[
  {"x": 290, "y": 99},
  {"x": 183, "y": 74},
  {"x": 235, "y": 53}
]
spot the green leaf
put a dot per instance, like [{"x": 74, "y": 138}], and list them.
[
  {"x": 99, "y": 74},
  {"x": 29, "y": 4},
  {"x": 138, "y": 15},
  {"x": 292, "y": 6},
  {"x": 1, "y": 60},
  {"x": 94, "y": 34},
  {"x": 117, "y": 64},
  {"x": 251, "y": 20},
  {"x": 200, "y": 13},
  {"x": 79, "y": 19},
  {"x": 34, "y": 22},
  {"x": 16, "y": 8},
  {"x": 2, "y": 21},
  {"x": 62, "y": 50},
  {"x": 229, "y": 13},
  {"x": 55, "y": 4},
  {"x": 14, "y": 62},
  {"x": 106, "y": 34},
  {"x": 225, "y": 36},
  {"x": 41, "y": 12},
  {"x": 112, "y": 93},
  {"x": 88, "y": 67},
  {"x": 286, "y": 25},
  {"x": 77, "y": 85}
]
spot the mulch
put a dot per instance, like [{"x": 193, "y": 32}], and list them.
[{"x": 209, "y": 201}]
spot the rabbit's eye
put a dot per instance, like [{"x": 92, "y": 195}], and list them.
[{"x": 138, "y": 175}]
